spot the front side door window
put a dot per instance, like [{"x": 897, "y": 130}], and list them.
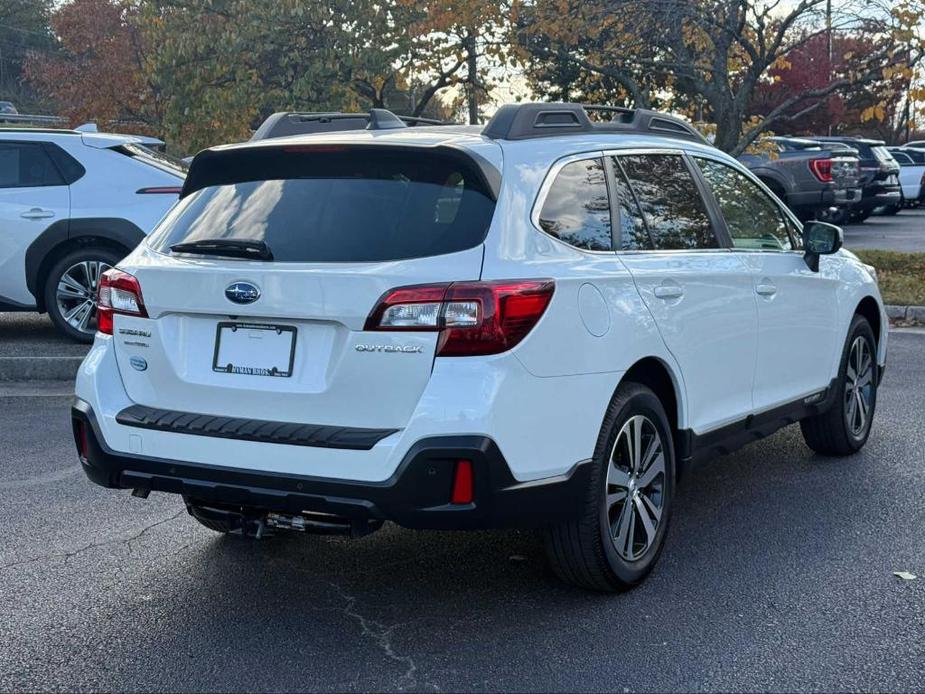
[{"x": 753, "y": 220}]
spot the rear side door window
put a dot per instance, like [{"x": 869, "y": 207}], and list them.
[
  {"x": 27, "y": 165},
  {"x": 669, "y": 202},
  {"x": 577, "y": 208},
  {"x": 753, "y": 220}
]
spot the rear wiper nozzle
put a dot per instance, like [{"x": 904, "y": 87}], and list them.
[{"x": 236, "y": 248}]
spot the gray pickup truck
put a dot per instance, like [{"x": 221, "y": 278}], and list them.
[{"x": 814, "y": 181}]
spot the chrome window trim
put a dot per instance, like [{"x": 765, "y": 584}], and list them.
[{"x": 560, "y": 163}]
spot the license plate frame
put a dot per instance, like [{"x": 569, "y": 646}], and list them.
[{"x": 272, "y": 370}]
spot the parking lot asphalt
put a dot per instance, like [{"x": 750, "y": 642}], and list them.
[
  {"x": 904, "y": 231},
  {"x": 31, "y": 334},
  {"x": 777, "y": 575}
]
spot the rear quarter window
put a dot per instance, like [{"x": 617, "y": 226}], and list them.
[
  {"x": 577, "y": 209},
  {"x": 346, "y": 205}
]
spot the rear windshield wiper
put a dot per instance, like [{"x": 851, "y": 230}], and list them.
[{"x": 235, "y": 248}]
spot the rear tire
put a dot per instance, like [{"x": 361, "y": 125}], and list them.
[
  {"x": 618, "y": 536},
  {"x": 70, "y": 290},
  {"x": 890, "y": 210},
  {"x": 843, "y": 429}
]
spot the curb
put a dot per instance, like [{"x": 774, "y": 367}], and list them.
[
  {"x": 911, "y": 315},
  {"x": 39, "y": 368}
]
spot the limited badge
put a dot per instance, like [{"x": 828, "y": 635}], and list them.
[{"x": 138, "y": 363}]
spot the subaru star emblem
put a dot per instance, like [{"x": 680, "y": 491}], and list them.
[{"x": 242, "y": 293}]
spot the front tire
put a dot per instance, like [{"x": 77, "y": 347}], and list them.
[
  {"x": 618, "y": 536},
  {"x": 843, "y": 429},
  {"x": 70, "y": 290}
]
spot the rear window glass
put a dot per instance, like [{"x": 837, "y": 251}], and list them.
[
  {"x": 343, "y": 206},
  {"x": 882, "y": 154}
]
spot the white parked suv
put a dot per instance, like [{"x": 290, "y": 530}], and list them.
[
  {"x": 540, "y": 323},
  {"x": 71, "y": 205}
]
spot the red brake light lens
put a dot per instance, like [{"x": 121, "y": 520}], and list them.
[
  {"x": 822, "y": 169},
  {"x": 473, "y": 318},
  {"x": 118, "y": 292}
]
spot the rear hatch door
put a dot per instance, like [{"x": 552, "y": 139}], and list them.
[{"x": 238, "y": 334}]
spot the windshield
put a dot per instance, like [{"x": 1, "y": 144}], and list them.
[{"x": 341, "y": 207}]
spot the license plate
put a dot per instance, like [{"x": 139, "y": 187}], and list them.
[{"x": 254, "y": 349}]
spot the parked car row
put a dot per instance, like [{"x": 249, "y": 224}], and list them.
[{"x": 840, "y": 178}]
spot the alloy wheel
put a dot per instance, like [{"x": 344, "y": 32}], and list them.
[
  {"x": 859, "y": 386},
  {"x": 635, "y": 493},
  {"x": 76, "y": 294}
]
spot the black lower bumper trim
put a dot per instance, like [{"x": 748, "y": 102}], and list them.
[
  {"x": 265, "y": 431},
  {"x": 417, "y": 495}
]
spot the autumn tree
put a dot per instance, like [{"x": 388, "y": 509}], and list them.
[
  {"x": 712, "y": 55},
  {"x": 24, "y": 30},
  {"x": 462, "y": 43},
  {"x": 99, "y": 69}
]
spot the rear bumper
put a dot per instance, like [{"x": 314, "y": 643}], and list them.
[
  {"x": 417, "y": 495},
  {"x": 812, "y": 200},
  {"x": 878, "y": 195}
]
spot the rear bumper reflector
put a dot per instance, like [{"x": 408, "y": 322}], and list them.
[{"x": 293, "y": 434}]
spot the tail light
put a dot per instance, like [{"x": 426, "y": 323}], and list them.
[
  {"x": 473, "y": 318},
  {"x": 822, "y": 169},
  {"x": 118, "y": 292}
]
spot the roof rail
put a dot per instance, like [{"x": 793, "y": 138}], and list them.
[
  {"x": 287, "y": 123},
  {"x": 532, "y": 120}
]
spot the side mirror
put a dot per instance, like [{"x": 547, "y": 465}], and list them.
[{"x": 820, "y": 238}]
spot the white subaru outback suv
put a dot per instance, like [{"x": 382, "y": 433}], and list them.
[
  {"x": 539, "y": 324},
  {"x": 71, "y": 205}
]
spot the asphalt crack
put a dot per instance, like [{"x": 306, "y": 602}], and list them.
[
  {"x": 67, "y": 556},
  {"x": 381, "y": 635}
]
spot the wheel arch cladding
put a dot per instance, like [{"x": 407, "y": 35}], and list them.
[
  {"x": 655, "y": 374},
  {"x": 65, "y": 236},
  {"x": 870, "y": 309},
  {"x": 772, "y": 179}
]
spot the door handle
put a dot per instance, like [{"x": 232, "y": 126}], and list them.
[
  {"x": 37, "y": 213},
  {"x": 766, "y": 289},
  {"x": 668, "y": 292}
]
